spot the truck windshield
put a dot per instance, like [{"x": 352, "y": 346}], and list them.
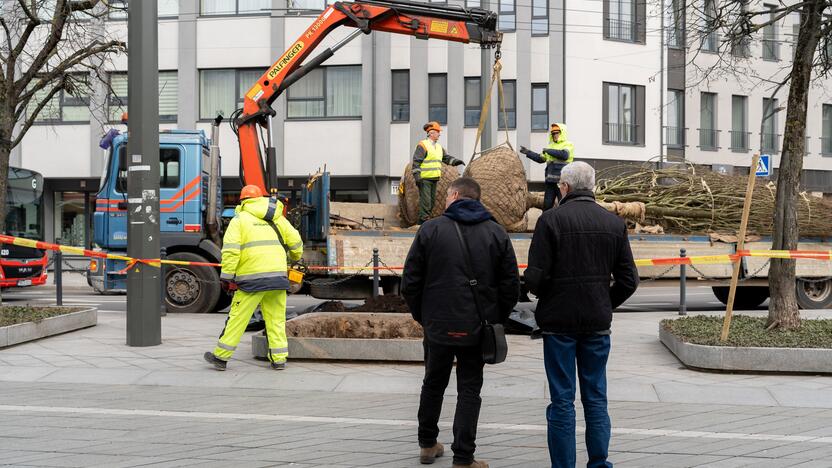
[{"x": 24, "y": 204}]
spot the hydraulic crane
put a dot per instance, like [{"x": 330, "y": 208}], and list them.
[{"x": 422, "y": 20}]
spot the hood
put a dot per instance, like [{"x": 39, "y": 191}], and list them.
[
  {"x": 468, "y": 211},
  {"x": 564, "y": 136},
  {"x": 577, "y": 193},
  {"x": 258, "y": 207}
]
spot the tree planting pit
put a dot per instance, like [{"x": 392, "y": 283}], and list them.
[{"x": 350, "y": 336}]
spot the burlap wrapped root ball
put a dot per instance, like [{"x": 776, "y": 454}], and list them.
[
  {"x": 409, "y": 195},
  {"x": 502, "y": 179}
]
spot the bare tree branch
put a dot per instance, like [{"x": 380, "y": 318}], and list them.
[{"x": 30, "y": 119}]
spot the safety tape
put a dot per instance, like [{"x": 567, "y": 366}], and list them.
[{"x": 156, "y": 262}]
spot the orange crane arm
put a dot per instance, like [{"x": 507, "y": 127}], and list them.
[{"x": 421, "y": 20}]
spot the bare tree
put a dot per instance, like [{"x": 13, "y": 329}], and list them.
[
  {"x": 726, "y": 29},
  {"x": 47, "y": 47}
]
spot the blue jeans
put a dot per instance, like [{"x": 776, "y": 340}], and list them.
[{"x": 560, "y": 353}]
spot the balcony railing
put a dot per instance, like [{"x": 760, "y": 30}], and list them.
[
  {"x": 826, "y": 146},
  {"x": 740, "y": 140},
  {"x": 625, "y": 133},
  {"x": 708, "y": 139},
  {"x": 771, "y": 142},
  {"x": 622, "y": 30},
  {"x": 675, "y": 137}
]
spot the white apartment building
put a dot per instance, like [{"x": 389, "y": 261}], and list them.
[{"x": 615, "y": 71}]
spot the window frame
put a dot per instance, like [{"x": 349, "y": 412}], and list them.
[
  {"x": 125, "y": 4},
  {"x": 393, "y": 100},
  {"x": 545, "y": 18},
  {"x": 324, "y": 82},
  {"x": 713, "y": 98},
  {"x": 509, "y": 110},
  {"x": 744, "y": 131},
  {"x": 775, "y": 45},
  {"x": 235, "y": 13},
  {"x": 638, "y": 111},
  {"x": 677, "y": 97},
  {"x": 774, "y": 126},
  {"x": 635, "y": 36},
  {"x": 826, "y": 130},
  {"x": 61, "y": 102},
  {"x": 113, "y": 100},
  {"x": 512, "y": 13},
  {"x": 545, "y": 112},
  {"x": 676, "y": 30},
  {"x": 466, "y": 107},
  {"x": 445, "y": 77}
]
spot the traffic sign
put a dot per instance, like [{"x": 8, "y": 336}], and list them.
[{"x": 763, "y": 166}]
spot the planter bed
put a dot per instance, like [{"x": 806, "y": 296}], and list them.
[{"x": 22, "y": 324}]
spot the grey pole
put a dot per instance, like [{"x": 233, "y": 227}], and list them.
[
  {"x": 59, "y": 282},
  {"x": 683, "y": 306},
  {"x": 144, "y": 324},
  {"x": 486, "y": 64},
  {"x": 375, "y": 272},
  {"x": 163, "y": 307}
]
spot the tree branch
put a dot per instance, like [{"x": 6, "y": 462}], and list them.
[{"x": 31, "y": 118}]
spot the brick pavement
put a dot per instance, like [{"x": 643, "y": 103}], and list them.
[{"x": 85, "y": 399}]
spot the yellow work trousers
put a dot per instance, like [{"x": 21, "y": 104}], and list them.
[{"x": 273, "y": 306}]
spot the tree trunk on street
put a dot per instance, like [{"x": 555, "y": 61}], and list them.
[{"x": 783, "y": 309}]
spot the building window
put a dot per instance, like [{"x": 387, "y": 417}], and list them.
[
  {"x": 401, "y": 95},
  {"x": 508, "y": 105},
  {"x": 473, "y": 4},
  {"x": 708, "y": 134},
  {"x": 675, "y": 118},
  {"x": 234, "y": 7},
  {"x": 739, "y": 124},
  {"x": 623, "y": 114},
  {"x": 540, "y": 17},
  {"x": 165, "y": 9},
  {"x": 508, "y": 16},
  {"x": 540, "y": 106},
  {"x": 771, "y": 140},
  {"x": 314, "y": 5},
  {"x": 621, "y": 20},
  {"x": 710, "y": 37},
  {"x": 326, "y": 92},
  {"x": 473, "y": 103},
  {"x": 676, "y": 31},
  {"x": 771, "y": 48},
  {"x": 64, "y": 106},
  {"x": 826, "y": 131},
  {"x": 438, "y": 98},
  {"x": 168, "y": 96}
]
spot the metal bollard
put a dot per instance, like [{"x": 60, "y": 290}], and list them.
[
  {"x": 375, "y": 272},
  {"x": 163, "y": 307},
  {"x": 59, "y": 281},
  {"x": 683, "y": 308}
]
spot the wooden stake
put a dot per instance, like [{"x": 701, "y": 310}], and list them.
[{"x": 746, "y": 210}]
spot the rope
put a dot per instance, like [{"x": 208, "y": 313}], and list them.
[{"x": 495, "y": 78}]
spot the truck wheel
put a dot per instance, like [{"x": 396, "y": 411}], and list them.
[
  {"x": 746, "y": 298},
  {"x": 814, "y": 294},
  {"x": 191, "y": 289}
]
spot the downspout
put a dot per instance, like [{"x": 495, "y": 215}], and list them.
[
  {"x": 373, "y": 121},
  {"x": 662, "y": 87}
]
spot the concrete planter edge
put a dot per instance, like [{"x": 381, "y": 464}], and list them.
[{"x": 29, "y": 331}]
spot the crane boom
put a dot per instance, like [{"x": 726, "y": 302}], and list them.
[{"x": 424, "y": 21}]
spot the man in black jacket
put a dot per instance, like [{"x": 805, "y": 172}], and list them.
[
  {"x": 576, "y": 249},
  {"x": 437, "y": 288}
]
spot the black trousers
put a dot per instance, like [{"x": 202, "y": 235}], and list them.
[
  {"x": 551, "y": 194},
  {"x": 439, "y": 360}
]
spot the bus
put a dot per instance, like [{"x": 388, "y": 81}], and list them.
[{"x": 23, "y": 266}]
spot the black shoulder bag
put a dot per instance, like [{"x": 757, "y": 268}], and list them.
[{"x": 492, "y": 335}]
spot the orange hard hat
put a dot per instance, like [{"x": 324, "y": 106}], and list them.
[
  {"x": 250, "y": 191},
  {"x": 432, "y": 126},
  {"x": 554, "y": 128}
]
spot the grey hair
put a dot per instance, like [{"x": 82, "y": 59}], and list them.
[{"x": 579, "y": 176}]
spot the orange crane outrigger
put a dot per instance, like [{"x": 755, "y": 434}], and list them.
[{"x": 422, "y": 20}]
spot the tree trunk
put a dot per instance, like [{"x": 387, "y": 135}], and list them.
[
  {"x": 6, "y": 126},
  {"x": 783, "y": 310}
]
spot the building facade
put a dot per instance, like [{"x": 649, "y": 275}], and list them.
[{"x": 619, "y": 73}]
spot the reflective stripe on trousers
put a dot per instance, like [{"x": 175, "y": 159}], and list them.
[{"x": 273, "y": 306}]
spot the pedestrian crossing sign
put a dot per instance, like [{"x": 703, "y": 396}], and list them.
[{"x": 763, "y": 166}]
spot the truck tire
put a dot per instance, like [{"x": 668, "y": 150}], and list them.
[
  {"x": 746, "y": 298},
  {"x": 191, "y": 289},
  {"x": 814, "y": 294}
]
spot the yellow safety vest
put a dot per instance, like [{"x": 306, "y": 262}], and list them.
[{"x": 431, "y": 167}]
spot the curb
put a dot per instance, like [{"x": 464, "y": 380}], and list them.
[
  {"x": 30, "y": 331},
  {"x": 729, "y": 358}
]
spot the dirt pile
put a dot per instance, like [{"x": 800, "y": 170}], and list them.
[{"x": 356, "y": 326}]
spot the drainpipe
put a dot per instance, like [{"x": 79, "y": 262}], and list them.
[
  {"x": 662, "y": 87},
  {"x": 373, "y": 121}
]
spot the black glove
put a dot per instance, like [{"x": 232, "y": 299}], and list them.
[
  {"x": 458, "y": 162},
  {"x": 524, "y": 150}
]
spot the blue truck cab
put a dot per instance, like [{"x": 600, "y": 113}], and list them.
[{"x": 184, "y": 171}]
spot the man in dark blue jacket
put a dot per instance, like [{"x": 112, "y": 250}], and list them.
[
  {"x": 437, "y": 288},
  {"x": 576, "y": 250}
]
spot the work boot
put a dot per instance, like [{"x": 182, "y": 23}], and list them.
[
  {"x": 428, "y": 455},
  {"x": 279, "y": 365},
  {"x": 474, "y": 464},
  {"x": 218, "y": 363}
]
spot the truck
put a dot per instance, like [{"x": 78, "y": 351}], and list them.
[
  {"x": 23, "y": 266},
  {"x": 190, "y": 185}
]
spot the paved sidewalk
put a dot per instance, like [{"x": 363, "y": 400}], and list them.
[{"x": 86, "y": 399}]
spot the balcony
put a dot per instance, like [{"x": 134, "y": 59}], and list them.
[
  {"x": 771, "y": 143},
  {"x": 708, "y": 139},
  {"x": 675, "y": 137},
  {"x": 740, "y": 141},
  {"x": 622, "y": 30},
  {"x": 621, "y": 134}
]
